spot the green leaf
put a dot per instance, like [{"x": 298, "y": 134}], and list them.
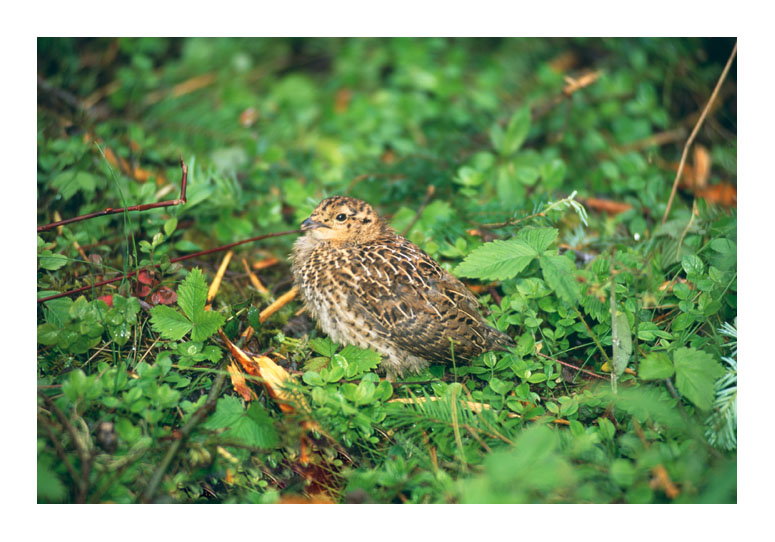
[
  {"x": 540, "y": 239},
  {"x": 252, "y": 428},
  {"x": 500, "y": 260},
  {"x": 364, "y": 393},
  {"x": 254, "y": 317},
  {"x": 655, "y": 366},
  {"x": 170, "y": 226},
  {"x": 468, "y": 176},
  {"x": 262, "y": 433},
  {"x": 323, "y": 346},
  {"x": 559, "y": 275},
  {"x": 553, "y": 173},
  {"x": 311, "y": 378},
  {"x": 192, "y": 294},
  {"x": 365, "y": 359},
  {"x": 52, "y": 261},
  {"x": 48, "y": 334},
  {"x": 169, "y": 322},
  {"x": 696, "y": 373},
  {"x": 623, "y": 351},
  {"x": 692, "y": 264},
  {"x": 496, "y": 136},
  {"x": 622, "y": 472},
  {"x": 50, "y": 487},
  {"x": 516, "y": 132},
  {"x": 69, "y": 182},
  {"x": 205, "y": 324},
  {"x": 228, "y": 410},
  {"x": 724, "y": 246}
]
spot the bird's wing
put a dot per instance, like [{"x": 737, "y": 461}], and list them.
[{"x": 411, "y": 301}]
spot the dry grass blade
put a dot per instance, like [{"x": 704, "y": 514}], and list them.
[
  {"x": 216, "y": 284},
  {"x": 279, "y": 303},
  {"x": 253, "y": 278}
]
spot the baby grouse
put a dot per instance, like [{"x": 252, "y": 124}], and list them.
[{"x": 368, "y": 286}]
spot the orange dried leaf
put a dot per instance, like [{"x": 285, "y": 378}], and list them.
[
  {"x": 723, "y": 194},
  {"x": 606, "y": 206},
  {"x": 342, "y": 100},
  {"x": 662, "y": 481},
  {"x": 319, "y": 498},
  {"x": 248, "y": 117},
  {"x": 263, "y": 264},
  {"x": 238, "y": 382}
]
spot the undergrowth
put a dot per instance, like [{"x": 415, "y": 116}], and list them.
[{"x": 544, "y": 194}]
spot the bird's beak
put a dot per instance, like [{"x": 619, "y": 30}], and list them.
[{"x": 310, "y": 224}]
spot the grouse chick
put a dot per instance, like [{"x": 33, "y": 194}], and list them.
[{"x": 370, "y": 287}]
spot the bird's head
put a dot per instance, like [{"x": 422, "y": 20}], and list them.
[{"x": 344, "y": 219}]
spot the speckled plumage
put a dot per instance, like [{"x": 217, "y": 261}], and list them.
[{"x": 368, "y": 286}]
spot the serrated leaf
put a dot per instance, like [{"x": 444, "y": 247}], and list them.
[
  {"x": 499, "y": 260},
  {"x": 228, "y": 410},
  {"x": 205, "y": 324},
  {"x": 263, "y": 433},
  {"x": 169, "y": 323},
  {"x": 192, "y": 294},
  {"x": 696, "y": 373},
  {"x": 558, "y": 274},
  {"x": 323, "y": 346},
  {"x": 540, "y": 239},
  {"x": 655, "y": 366},
  {"x": 69, "y": 182},
  {"x": 365, "y": 359}
]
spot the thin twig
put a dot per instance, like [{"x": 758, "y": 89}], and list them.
[
  {"x": 593, "y": 336},
  {"x": 571, "y": 87},
  {"x": 173, "y": 260},
  {"x": 428, "y": 195},
  {"x": 566, "y": 364},
  {"x": 198, "y": 416},
  {"x": 696, "y": 130},
  {"x": 110, "y": 211}
]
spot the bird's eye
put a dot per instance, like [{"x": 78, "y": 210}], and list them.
[{"x": 341, "y": 217}]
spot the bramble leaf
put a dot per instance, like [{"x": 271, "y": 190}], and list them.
[
  {"x": 192, "y": 294},
  {"x": 695, "y": 375},
  {"x": 169, "y": 323}
]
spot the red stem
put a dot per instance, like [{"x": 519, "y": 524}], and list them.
[
  {"x": 574, "y": 367},
  {"x": 143, "y": 207},
  {"x": 178, "y": 259}
]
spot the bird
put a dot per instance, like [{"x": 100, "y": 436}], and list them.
[{"x": 370, "y": 287}]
